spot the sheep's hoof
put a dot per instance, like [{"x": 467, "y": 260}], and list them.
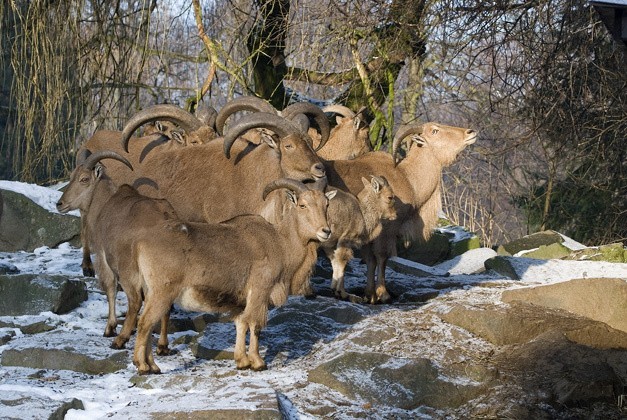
[
  {"x": 89, "y": 272},
  {"x": 243, "y": 363},
  {"x": 163, "y": 350},
  {"x": 383, "y": 296},
  {"x": 118, "y": 346},
  {"x": 109, "y": 333},
  {"x": 259, "y": 368}
]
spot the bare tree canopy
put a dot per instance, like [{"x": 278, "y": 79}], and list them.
[{"x": 542, "y": 81}]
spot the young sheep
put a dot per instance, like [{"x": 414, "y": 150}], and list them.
[
  {"x": 416, "y": 183},
  {"x": 242, "y": 265},
  {"x": 110, "y": 213},
  {"x": 356, "y": 221}
]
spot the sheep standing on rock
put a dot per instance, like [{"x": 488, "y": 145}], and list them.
[
  {"x": 113, "y": 215},
  {"x": 356, "y": 221},
  {"x": 416, "y": 181},
  {"x": 242, "y": 265}
]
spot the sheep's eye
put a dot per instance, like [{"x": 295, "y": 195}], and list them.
[
  {"x": 289, "y": 146},
  {"x": 84, "y": 180},
  {"x": 302, "y": 206},
  {"x": 434, "y": 131}
]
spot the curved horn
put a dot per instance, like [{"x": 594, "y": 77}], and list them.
[
  {"x": 96, "y": 157},
  {"x": 291, "y": 184},
  {"x": 168, "y": 112},
  {"x": 82, "y": 155},
  {"x": 402, "y": 132},
  {"x": 344, "y": 111},
  {"x": 273, "y": 122},
  {"x": 242, "y": 103},
  {"x": 313, "y": 111},
  {"x": 206, "y": 114}
]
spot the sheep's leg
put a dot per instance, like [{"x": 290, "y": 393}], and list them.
[
  {"x": 257, "y": 363},
  {"x": 382, "y": 294},
  {"x": 339, "y": 260},
  {"x": 162, "y": 344},
  {"x": 109, "y": 284},
  {"x": 371, "y": 264},
  {"x": 301, "y": 280},
  {"x": 153, "y": 311},
  {"x": 134, "y": 305},
  {"x": 241, "y": 358},
  {"x": 86, "y": 264}
]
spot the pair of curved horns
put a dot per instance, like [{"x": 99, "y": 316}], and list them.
[{"x": 182, "y": 118}]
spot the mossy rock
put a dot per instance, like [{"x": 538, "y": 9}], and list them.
[
  {"x": 529, "y": 242},
  {"x": 610, "y": 253},
  {"x": 464, "y": 245},
  {"x": 548, "y": 252},
  {"x": 436, "y": 249}
]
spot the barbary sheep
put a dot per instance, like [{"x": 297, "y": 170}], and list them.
[
  {"x": 416, "y": 182},
  {"x": 111, "y": 213},
  {"x": 349, "y": 138},
  {"x": 242, "y": 265},
  {"x": 161, "y": 136},
  {"x": 354, "y": 222}
]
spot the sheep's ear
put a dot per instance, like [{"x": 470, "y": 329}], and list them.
[
  {"x": 98, "y": 170},
  {"x": 291, "y": 195},
  {"x": 159, "y": 126},
  {"x": 376, "y": 185},
  {"x": 365, "y": 181},
  {"x": 419, "y": 140},
  {"x": 269, "y": 140},
  {"x": 330, "y": 194},
  {"x": 178, "y": 137}
]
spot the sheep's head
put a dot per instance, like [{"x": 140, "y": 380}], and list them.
[
  {"x": 308, "y": 207},
  {"x": 83, "y": 180},
  {"x": 176, "y": 124},
  {"x": 445, "y": 141},
  {"x": 293, "y": 148},
  {"x": 378, "y": 194},
  {"x": 349, "y": 138}
]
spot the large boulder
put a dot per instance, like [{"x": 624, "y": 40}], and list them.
[
  {"x": 602, "y": 300},
  {"x": 25, "y": 225},
  {"x": 31, "y": 294}
]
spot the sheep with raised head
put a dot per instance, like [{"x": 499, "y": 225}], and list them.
[
  {"x": 350, "y": 136},
  {"x": 416, "y": 181},
  {"x": 111, "y": 213},
  {"x": 242, "y": 266},
  {"x": 356, "y": 221}
]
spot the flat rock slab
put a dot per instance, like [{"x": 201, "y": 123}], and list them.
[
  {"x": 519, "y": 323},
  {"x": 256, "y": 399},
  {"x": 31, "y": 294},
  {"x": 407, "y": 383},
  {"x": 602, "y": 300},
  {"x": 59, "y": 350}
]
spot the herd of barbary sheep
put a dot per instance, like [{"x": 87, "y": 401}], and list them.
[{"x": 218, "y": 217}]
